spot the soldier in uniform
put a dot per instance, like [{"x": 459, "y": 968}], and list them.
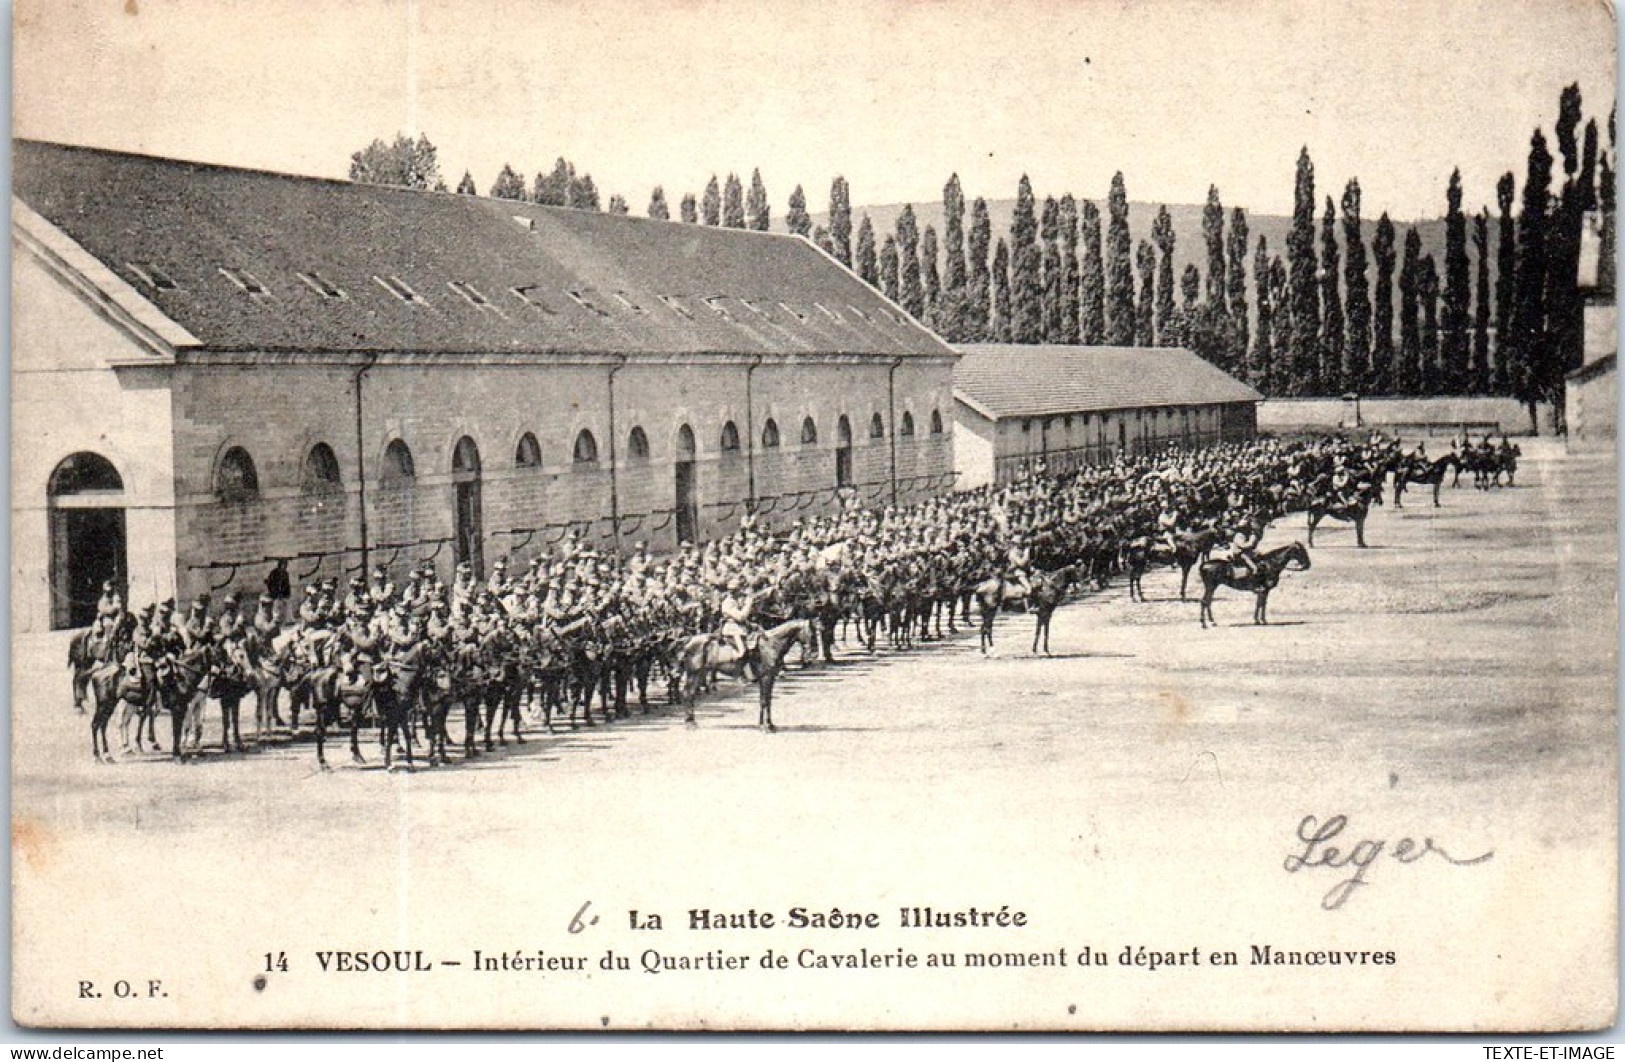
[{"x": 736, "y": 608}]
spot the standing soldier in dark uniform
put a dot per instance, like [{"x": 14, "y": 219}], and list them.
[{"x": 279, "y": 588}]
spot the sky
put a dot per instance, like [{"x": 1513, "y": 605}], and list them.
[{"x": 893, "y": 94}]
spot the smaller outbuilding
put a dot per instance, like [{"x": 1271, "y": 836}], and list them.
[{"x": 1021, "y": 405}]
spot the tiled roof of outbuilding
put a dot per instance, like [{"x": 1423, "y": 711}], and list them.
[
  {"x": 1014, "y": 380},
  {"x": 180, "y": 232}
]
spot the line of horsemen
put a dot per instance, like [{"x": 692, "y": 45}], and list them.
[{"x": 580, "y": 624}]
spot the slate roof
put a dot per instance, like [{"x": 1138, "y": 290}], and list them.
[
  {"x": 640, "y": 286},
  {"x": 1015, "y": 380}
]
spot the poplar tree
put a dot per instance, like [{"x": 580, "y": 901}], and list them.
[
  {"x": 796, "y": 219},
  {"x": 952, "y": 311},
  {"x": 1191, "y": 318},
  {"x": 1427, "y": 293},
  {"x": 553, "y": 189},
  {"x": 840, "y": 220},
  {"x": 1050, "y": 271},
  {"x": 1120, "y": 319},
  {"x": 1357, "y": 341},
  {"x": 888, "y": 268},
  {"x": 930, "y": 276},
  {"x": 617, "y": 205},
  {"x": 1303, "y": 274},
  {"x": 866, "y": 265},
  {"x": 1026, "y": 265},
  {"x": 820, "y": 236},
  {"x": 1258, "y": 369},
  {"x": 999, "y": 323},
  {"x": 1457, "y": 295},
  {"x": 1408, "y": 371},
  {"x": 1069, "y": 269},
  {"x": 977, "y": 313},
  {"x": 1091, "y": 278},
  {"x": 1528, "y": 365},
  {"x": 761, "y": 215},
  {"x": 1281, "y": 298},
  {"x": 689, "y": 210},
  {"x": 1479, "y": 372},
  {"x": 1331, "y": 302},
  {"x": 1162, "y": 236},
  {"x": 1217, "y": 265},
  {"x": 1506, "y": 286},
  {"x": 1236, "y": 293},
  {"x": 711, "y": 202},
  {"x": 733, "y": 203},
  {"x": 466, "y": 185},
  {"x": 1605, "y": 203},
  {"x": 584, "y": 194},
  {"x": 657, "y": 204},
  {"x": 1383, "y": 379},
  {"x": 1145, "y": 330},
  {"x": 508, "y": 185},
  {"x": 909, "y": 293}
]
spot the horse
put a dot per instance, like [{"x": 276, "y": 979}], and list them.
[
  {"x": 1419, "y": 471},
  {"x": 183, "y": 686},
  {"x": 1270, "y": 567},
  {"x": 1049, "y": 591},
  {"x": 111, "y": 685},
  {"x": 1353, "y": 512},
  {"x": 1190, "y": 548},
  {"x": 705, "y": 654},
  {"x": 992, "y": 595}
]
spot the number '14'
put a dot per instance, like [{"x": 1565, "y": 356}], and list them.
[{"x": 276, "y": 962}]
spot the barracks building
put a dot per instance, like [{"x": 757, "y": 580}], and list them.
[{"x": 213, "y": 368}]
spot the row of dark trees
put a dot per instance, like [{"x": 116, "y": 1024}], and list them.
[{"x": 1314, "y": 322}]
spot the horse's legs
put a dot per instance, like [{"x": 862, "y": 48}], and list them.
[
  {"x": 1359, "y": 532},
  {"x": 765, "y": 719},
  {"x": 1313, "y": 523},
  {"x": 355, "y": 733}
]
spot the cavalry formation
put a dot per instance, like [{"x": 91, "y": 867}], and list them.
[{"x": 581, "y": 625}]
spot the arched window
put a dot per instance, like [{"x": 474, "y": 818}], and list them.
[
  {"x": 528, "y": 454},
  {"x": 84, "y": 473},
  {"x": 637, "y": 445},
  {"x": 936, "y": 422},
  {"x": 770, "y": 434},
  {"x": 843, "y": 431},
  {"x": 877, "y": 427},
  {"x": 236, "y": 479},
  {"x": 809, "y": 432},
  {"x": 398, "y": 465},
  {"x": 730, "y": 438},
  {"x": 685, "y": 443},
  {"x": 586, "y": 448},
  {"x": 908, "y": 424},
  {"x": 321, "y": 473}
]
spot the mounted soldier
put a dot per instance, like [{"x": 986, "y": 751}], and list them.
[{"x": 736, "y": 608}]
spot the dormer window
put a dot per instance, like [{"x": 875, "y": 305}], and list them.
[
  {"x": 676, "y": 307},
  {"x": 826, "y": 311},
  {"x": 531, "y": 295},
  {"x": 792, "y": 311},
  {"x": 469, "y": 292},
  {"x": 322, "y": 286},
  {"x": 587, "y": 304},
  {"x": 626, "y": 300},
  {"x": 245, "y": 280},
  {"x": 398, "y": 288},
  {"x": 715, "y": 302},
  {"x": 154, "y": 277},
  {"x": 757, "y": 310}
]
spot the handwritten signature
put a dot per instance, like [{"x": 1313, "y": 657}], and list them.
[{"x": 1317, "y": 851}]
